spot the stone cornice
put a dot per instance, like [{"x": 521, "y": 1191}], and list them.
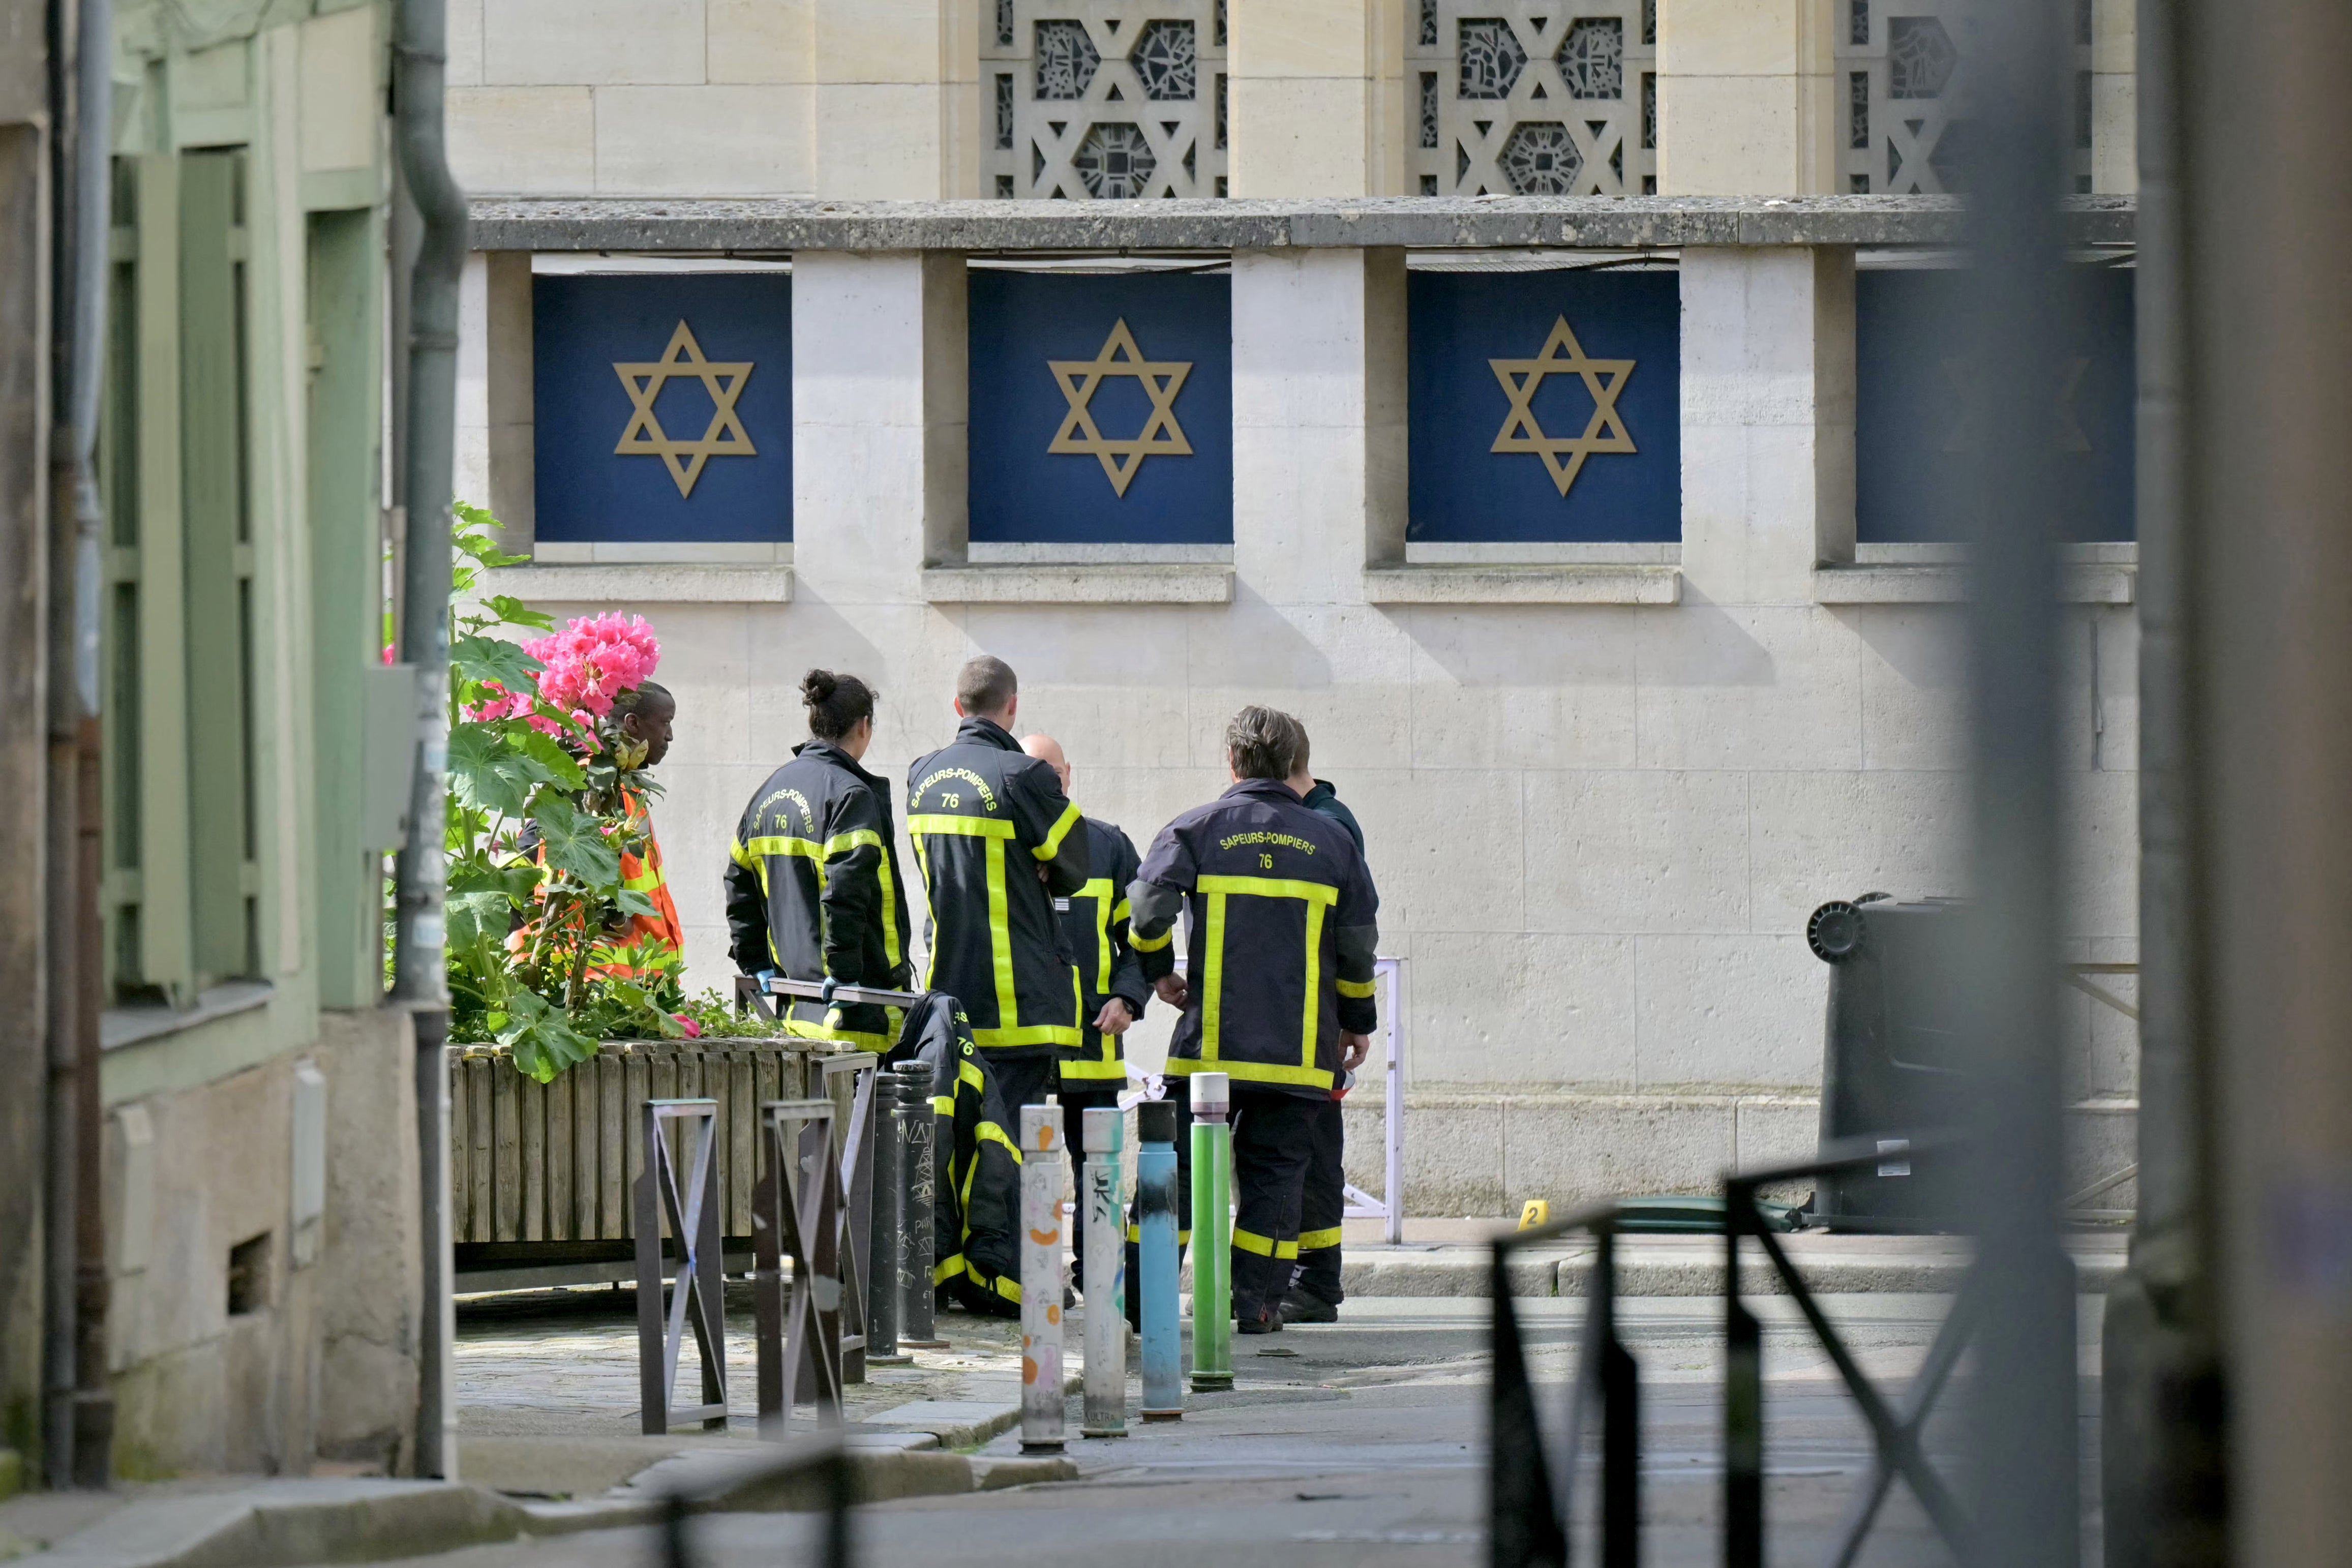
[{"x": 770, "y": 227}]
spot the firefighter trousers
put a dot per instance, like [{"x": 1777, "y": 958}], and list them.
[
  {"x": 1028, "y": 1082},
  {"x": 1322, "y": 1205}
]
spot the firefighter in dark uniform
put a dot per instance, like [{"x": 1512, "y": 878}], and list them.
[
  {"x": 814, "y": 892},
  {"x": 1094, "y": 923},
  {"x": 1315, "y": 1292},
  {"x": 998, "y": 843},
  {"x": 1278, "y": 988}
]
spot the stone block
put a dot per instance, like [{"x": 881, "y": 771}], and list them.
[
  {"x": 769, "y": 41},
  {"x": 2101, "y": 1140},
  {"x": 2100, "y": 839},
  {"x": 1740, "y": 135},
  {"x": 905, "y": 41},
  {"x": 1445, "y": 846},
  {"x": 2098, "y": 689},
  {"x": 593, "y": 42},
  {"x": 1728, "y": 1010},
  {"x": 1775, "y": 1130},
  {"x": 523, "y": 140},
  {"x": 1340, "y": 671},
  {"x": 1520, "y": 1009},
  {"x": 1302, "y": 136},
  {"x": 1521, "y": 687},
  {"x": 1914, "y": 687},
  {"x": 1822, "y": 835},
  {"x": 747, "y": 140},
  {"x": 1577, "y": 1151},
  {"x": 1272, "y": 38},
  {"x": 1613, "y": 853},
  {"x": 1452, "y": 1154},
  {"x": 1755, "y": 687},
  {"x": 464, "y": 25},
  {"x": 1743, "y": 37},
  {"x": 883, "y": 141}
]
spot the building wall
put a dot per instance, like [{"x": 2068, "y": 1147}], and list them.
[
  {"x": 853, "y": 100},
  {"x": 1598, "y": 827}
]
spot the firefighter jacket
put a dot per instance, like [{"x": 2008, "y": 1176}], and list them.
[
  {"x": 1094, "y": 923},
  {"x": 1282, "y": 931},
  {"x": 976, "y": 1201},
  {"x": 986, "y": 819},
  {"x": 814, "y": 892},
  {"x": 1326, "y": 799}
]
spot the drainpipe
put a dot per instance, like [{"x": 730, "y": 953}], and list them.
[
  {"x": 78, "y": 1425},
  {"x": 2163, "y": 1442},
  {"x": 420, "y": 982}
]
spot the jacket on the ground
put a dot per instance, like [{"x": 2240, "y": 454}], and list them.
[
  {"x": 1283, "y": 933},
  {"x": 1094, "y": 923},
  {"x": 976, "y": 1187},
  {"x": 813, "y": 891},
  {"x": 986, "y": 820}
]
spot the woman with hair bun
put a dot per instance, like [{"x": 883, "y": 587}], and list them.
[{"x": 814, "y": 892}]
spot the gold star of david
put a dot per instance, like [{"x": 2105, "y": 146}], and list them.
[
  {"x": 644, "y": 435},
  {"x": 2066, "y": 433},
  {"x": 1161, "y": 436},
  {"x": 1604, "y": 378}
]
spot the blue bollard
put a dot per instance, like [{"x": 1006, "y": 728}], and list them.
[{"x": 1155, "y": 1202}]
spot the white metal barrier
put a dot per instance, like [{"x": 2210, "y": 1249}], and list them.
[{"x": 1389, "y": 1206}]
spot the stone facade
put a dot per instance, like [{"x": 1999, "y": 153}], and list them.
[{"x": 1602, "y": 792}]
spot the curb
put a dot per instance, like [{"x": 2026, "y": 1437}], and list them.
[
  {"x": 1466, "y": 1271},
  {"x": 287, "y": 1523}
]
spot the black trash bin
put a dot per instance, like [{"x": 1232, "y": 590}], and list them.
[{"x": 1892, "y": 1065}]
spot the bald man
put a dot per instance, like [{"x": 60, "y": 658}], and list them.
[{"x": 1110, "y": 973}]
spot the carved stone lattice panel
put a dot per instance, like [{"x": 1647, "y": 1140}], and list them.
[
  {"x": 1533, "y": 97},
  {"x": 1904, "y": 66},
  {"x": 1103, "y": 100}
]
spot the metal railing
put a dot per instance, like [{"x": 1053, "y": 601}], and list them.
[
  {"x": 1389, "y": 1207},
  {"x": 1528, "y": 1498},
  {"x": 696, "y": 1299},
  {"x": 1894, "y": 1423}
]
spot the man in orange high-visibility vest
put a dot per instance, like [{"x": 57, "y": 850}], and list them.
[{"x": 646, "y": 714}]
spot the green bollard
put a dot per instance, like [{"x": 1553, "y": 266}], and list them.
[{"x": 1213, "y": 1233}]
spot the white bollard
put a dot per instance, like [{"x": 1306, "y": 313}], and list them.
[
  {"x": 1042, "y": 1175},
  {"x": 1105, "y": 1238}
]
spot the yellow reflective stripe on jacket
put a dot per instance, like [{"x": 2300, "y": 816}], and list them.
[
  {"x": 1085, "y": 1067},
  {"x": 1357, "y": 989},
  {"x": 1000, "y": 942},
  {"x": 967, "y": 827},
  {"x": 831, "y": 1029},
  {"x": 842, "y": 843},
  {"x": 1264, "y": 1246},
  {"x": 994, "y": 1134},
  {"x": 1250, "y": 1072},
  {"x": 1213, "y": 977},
  {"x": 777, "y": 843},
  {"x": 1099, "y": 889},
  {"x": 1271, "y": 888},
  {"x": 1151, "y": 943},
  {"x": 1316, "y": 1240},
  {"x": 1028, "y": 1035},
  {"x": 1053, "y": 845},
  {"x": 646, "y": 882},
  {"x": 944, "y": 1272},
  {"x": 1314, "y": 1015},
  {"x": 1135, "y": 1233},
  {"x": 741, "y": 853}
]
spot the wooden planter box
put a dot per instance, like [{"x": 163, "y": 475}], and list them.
[{"x": 540, "y": 1175}]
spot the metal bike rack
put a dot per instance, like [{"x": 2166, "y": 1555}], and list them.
[
  {"x": 1894, "y": 1425},
  {"x": 796, "y": 1215},
  {"x": 1528, "y": 1497},
  {"x": 697, "y": 1299}
]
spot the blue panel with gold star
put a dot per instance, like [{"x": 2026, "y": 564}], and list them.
[
  {"x": 1913, "y": 444},
  {"x": 664, "y": 407},
  {"x": 1102, "y": 408},
  {"x": 1545, "y": 407}
]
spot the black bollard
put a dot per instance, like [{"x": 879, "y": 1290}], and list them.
[{"x": 918, "y": 1327}]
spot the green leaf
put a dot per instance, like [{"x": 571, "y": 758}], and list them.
[
  {"x": 474, "y": 538},
  {"x": 480, "y": 658},
  {"x": 630, "y": 901},
  {"x": 575, "y": 843},
  {"x": 513, "y": 612},
  {"x": 557, "y": 766},
  {"x": 478, "y": 917},
  {"x": 486, "y": 773}
]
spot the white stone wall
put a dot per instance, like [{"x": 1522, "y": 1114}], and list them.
[{"x": 1598, "y": 827}]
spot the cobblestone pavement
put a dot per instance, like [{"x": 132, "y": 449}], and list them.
[{"x": 563, "y": 1362}]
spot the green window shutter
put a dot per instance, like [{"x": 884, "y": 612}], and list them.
[{"x": 216, "y": 507}]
